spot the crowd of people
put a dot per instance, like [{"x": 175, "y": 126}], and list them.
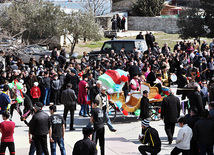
[{"x": 53, "y": 79}]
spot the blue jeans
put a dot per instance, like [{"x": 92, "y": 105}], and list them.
[
  {"x": 83, "y": 110},
  {"x": 33, "y": 148},
  {"x": 107, "y": 120},
  {"x": 46, "y": 92},
  {"x": 60, "y": 143}
]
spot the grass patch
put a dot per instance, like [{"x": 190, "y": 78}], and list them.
[{"x": 94, "y": 44}]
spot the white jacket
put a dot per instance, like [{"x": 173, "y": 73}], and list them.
[{"x": 184, "y": 137}]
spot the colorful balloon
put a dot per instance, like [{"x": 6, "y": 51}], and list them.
[
  {"x": 19, "y": 85},
  {"x": 10, "y": 85},
  {"x": 137, "y": 112},
  {"x": 19, "y": 99}
]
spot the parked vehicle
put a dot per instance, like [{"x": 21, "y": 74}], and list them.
[
  {"x": 116, "y": 45},
  {"x": 34, "y": 51}
]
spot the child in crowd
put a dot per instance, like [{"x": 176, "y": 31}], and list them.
[{"x": 35, "y": 92}]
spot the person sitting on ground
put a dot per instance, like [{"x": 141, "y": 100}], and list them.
[{"x": 150, "y": 137}]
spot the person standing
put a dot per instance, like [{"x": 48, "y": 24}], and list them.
[
  {"x": 69, "y": 99},
  {"x": 29, "y": 81},
  {"x": 46, "y": 88},
  {"x": 203, "y": 134},
  {"x": 123, "y": 22},
  {"x": 7, "y": 130},
  {"x": 57, "y": 131},
  {"x": 144, "y": 105},
  {"x": 72, "y": 78},
  {"x": 170, "y": 112},
  {"x": 140, "y": 36},
  {"x": 85, "y": 146},
  {"x": 56, "y": 85},
  {"x": 82, "y": 96},
  {"x": 195, "y": 99},
  {"x": 114, "y": 23},
  {"x": 39, "y": 128},
  {"x": 118, "y": 22},
  {"x": 35, "y": 93},
  {"x": 150, "y": 137},
  {"x": 104, "y": 105},
  {"x": 183, "y": 138},
  {"x": 4, "y": 99},
  {"x": 99, "y": 129},
  {"x": 95, "y": 90}
]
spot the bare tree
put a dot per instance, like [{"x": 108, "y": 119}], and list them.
[{"x": 98, "y": 7}]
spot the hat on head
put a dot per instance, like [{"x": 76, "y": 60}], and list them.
[
  {"x": 36, "y": 83},
  {"x": 38, "y": 105},
  {"x": 145, "y": 123},
  {"x": 73, "y": 71},
  {"x": 103, "y": 88}
]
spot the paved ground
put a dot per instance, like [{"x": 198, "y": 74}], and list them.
[{"x": 123, "y": 142}]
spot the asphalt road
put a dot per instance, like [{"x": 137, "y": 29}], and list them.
[{"x": 124, "y": 141}]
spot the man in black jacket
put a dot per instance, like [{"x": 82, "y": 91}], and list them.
[
  {"x": 39, "y": 128},
  {"x": 170, "y": 112},
  {"x": 45, "y": 84},
  {"x": 182, "y": 81},
  {"x": 192, "y": 118},
  {"x": 151, "y": 137},
  {"x": 72, "y": 78},
  {"x": 140, "y": 36},
  {"x": 85, "y": 146},
  {"x": 68, "y": 98},
  {"x": 195, "y": 99},
  {"x": 144, "y": 106},
  {"x": 95, "y": 90},
  {"x": 203, "y": 134}
]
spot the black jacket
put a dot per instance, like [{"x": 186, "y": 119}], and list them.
[
  {"x": 203, "y": 131},
  {"x": 170, "y": 109},
  {"x": 74, "y": 80},
  {"x": 68, "y": 97},
  {"x": 191, "y": 120},
  {"x": 151, "y": 137},
  {"x": 181, "y": 83},
  {"x": 144, "y": 108},
  {"x": 40, "y": 123},
  {"x": 151, "y": 78},
  {"x": 93, "y": 93},
  {"x": 85, "y": 147},
  {"x": 195, "y": 101}
]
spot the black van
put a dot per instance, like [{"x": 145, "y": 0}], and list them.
[{"x": 116, "y": 45}]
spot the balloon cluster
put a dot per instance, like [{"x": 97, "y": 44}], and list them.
[{"x": 17, "y": 86}]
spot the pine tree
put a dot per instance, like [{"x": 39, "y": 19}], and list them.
[{"x": 148, "y": 8}]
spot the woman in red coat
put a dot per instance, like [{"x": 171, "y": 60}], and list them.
[
  {"x": 82, "y": 96},
  {"x": 35, "y": 92}
]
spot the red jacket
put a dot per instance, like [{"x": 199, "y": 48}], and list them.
[{"x": 35, "y": 92}]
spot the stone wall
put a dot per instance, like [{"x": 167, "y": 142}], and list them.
[
  {"x": 105, "y": 22},
  {"x": 168, "y": 25}
]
